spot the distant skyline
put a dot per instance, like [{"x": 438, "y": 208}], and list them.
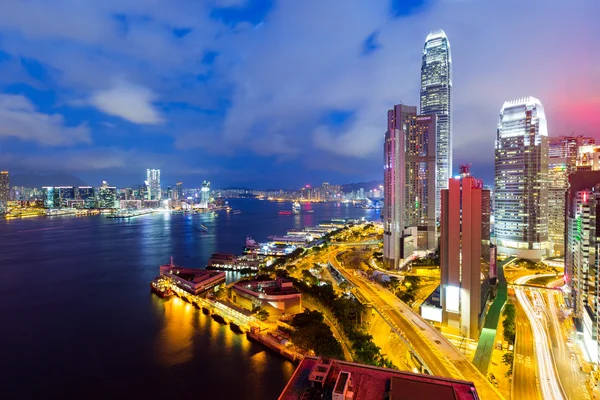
[{"x": 270, "y": 93}]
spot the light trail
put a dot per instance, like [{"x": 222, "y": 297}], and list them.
[{"x": 549, "y": 380}]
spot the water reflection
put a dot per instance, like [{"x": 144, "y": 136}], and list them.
[{"x": 175, "y": 339}]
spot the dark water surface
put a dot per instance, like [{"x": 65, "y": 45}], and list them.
[{"x": 77, "y": 319}]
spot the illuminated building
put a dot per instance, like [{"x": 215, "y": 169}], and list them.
[
  {"x": 48, "y": 196},
  {"x": 564, "y": 152},
  {"x": 88, "y": 195},
  {"x": 324, "y": 378},
  {"x": 409, "y": 182},
  {"x": 277, "y": 297},
  {"x": 521, "y": 175},
  {"x": 204, "y": 194},
  {"x": 179, "y": 191},
  {"x": 107, "y": 196},
  {"x": 588, "y": 158},
  {"x": 436, "y": 98},
  {"x": 463, "y": 283},
  {"x": 4, "y": 187},
  {"x": 581, "y": 254},
  {"x": 192, "y": 280},
  {"x": 153, "y": 183},
  {"x": 63, "y": 195}
]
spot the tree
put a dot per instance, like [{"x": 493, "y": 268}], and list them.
[
  {"x": 308, "y": 277},
  {"x": 508, "y": 358},
  {"x": 262, "y": 314}
]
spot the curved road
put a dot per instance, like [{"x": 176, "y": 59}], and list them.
[{"x": 440, "y": 357}]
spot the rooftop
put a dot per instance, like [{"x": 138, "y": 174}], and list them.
[{"x": 370, "y": 383}]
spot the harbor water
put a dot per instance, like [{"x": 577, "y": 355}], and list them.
[{"x": 79, "y": 321}]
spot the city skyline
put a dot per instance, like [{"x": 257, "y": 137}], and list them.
[{"x": 209, "y": 72}]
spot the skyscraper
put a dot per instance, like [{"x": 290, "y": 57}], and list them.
[
  {"x": 204, "y": 194},
  {"x": 88, "y": 195},
  {"x": 409, "y": 183},
  {"x": 153, "y": 179},
  {"x": 563, "y": 154},
  {"x": 107, "y": 196},
  {"x": 179, "y": 191},
  {"x": 581, "y": 254},
  {"x": 462, "y": 223},
  {"x": 521, "y": 175},
  {"x": 436, "y": 98},
  {"x": 4, "y": 186}
]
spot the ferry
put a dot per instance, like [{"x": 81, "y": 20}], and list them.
[
  {"x": 236, "y": 212},
  {"x": 159, "y": 288},
  {"x": 285, "y": 212},
  {"x": 203, "y": 228},
  {"x": 296, "y": 208}
]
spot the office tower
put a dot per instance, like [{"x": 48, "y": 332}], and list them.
[
  {"x": 521, "y": 174},
  {"x": 179, "y": 191},
  {"x": 63, "y": 196},
  {"x": 581, "y": 253},
  {"x": 409, "y": 183},
  {"x": 169, "y": 193},
  {"x": 153, "y": 182},
  {"x": 48, "y": 196},
  {"x": 436, "y": 98},
  {"x": 588, "y": 158},
  {"x": 107, "y": 196},
  {"x": 463, "y": 217},
  {"x": 564, "y": 152},
  {"x": 4, "y": 187},
  {"x": 87, "y": 194},
  {"x": 204, "y": 194}
]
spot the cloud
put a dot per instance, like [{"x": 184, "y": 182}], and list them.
[
  {"x": 128, "y": 101},
  {"x": 19, "y": 119}
]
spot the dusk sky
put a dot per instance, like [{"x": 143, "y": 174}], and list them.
[{"x": 273, "y": 93}]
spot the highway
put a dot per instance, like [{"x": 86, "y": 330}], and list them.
[
  {"x": 524, "y": 384},
  {"x": 546, "y": 372},
  {"x": 438, "y": 354}
]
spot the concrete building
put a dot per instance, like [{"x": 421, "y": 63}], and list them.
[
  {"x": 4, "y": 187},
  {"x": 521, "y": 180},
  {"x": 582, "y": 247},
  {"x": 463, "y": 280},
  {"x": 153, "y": 183},
  {"x": 323, "y": 378},
  {"x": 276, "y": 297},
  {"x": 409, "y": 182},
  {"x": 193, "y": 280},
  {"x": 436, "y": 99}
]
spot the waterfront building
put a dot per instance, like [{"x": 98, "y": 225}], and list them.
[
  {"x": 464, "y": 277},
  {"x": 179, "y": 191},
  {"x": 276, "y": 297},
  {"x": 205, "y": 194},
  {"x": 409, "y": 182},
  {"x": 48, "y": 196},
  {"x": 581, "y": 255},
  {"x": 192, "y": 280},
  {"x": 436, "y": 99},
  {"x": 153, "y": 183},
  {"x": 107, "y": 196},
  {"x": 341, "y": 380},
  {"x": 130, "y": 204},
  {"x": 231, "y": 262},
  {"x": 4, "y": 187},
  {"x": 521, "y": 175},
  {"x": 63, "y": 195}
]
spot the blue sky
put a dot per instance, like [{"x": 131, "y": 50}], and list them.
[{"x": 272, "y": 93}]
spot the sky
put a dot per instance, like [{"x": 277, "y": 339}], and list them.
[{"x": 273, "y": 93}]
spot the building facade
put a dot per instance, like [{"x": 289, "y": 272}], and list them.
[
  {"x": 4, "y": 187},
  {"x": 88, "y": 195},
  {"x": 463, "y": 280},
  {"x": 582, "y": 247},
  {"x": 521, "y": 175},
  {"x": 205, "y": 194},
  {"x": 409, "y": 182},
  {"x": 563, "y": 153},
  {"x": 153, "y": 182},
  {"x": 107, "y": 196},
  {"x": 436, "y": 98}
]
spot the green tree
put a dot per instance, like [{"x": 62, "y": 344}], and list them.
[
  {"x": 508, "y": 358},
  {"x": 262, "y": 314}
]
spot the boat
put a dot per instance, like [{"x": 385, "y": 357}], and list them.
[
  {"x": 310, "y": 211},
  {"x": 296, "y": 208},
  {"x": 159, "y": 288},
  {"x": 202, "y": 227},
  {"x": 236, "y": 212},
  {"x": 285, "y": 212}
]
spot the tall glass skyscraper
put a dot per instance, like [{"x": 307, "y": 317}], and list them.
[
  {"x": 521, "y": 179},
  {"x": 436, "y": 98},
  {"x": 153, "y": 179}
]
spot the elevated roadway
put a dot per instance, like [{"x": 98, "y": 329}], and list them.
[{"x": 436, "y": 353}]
